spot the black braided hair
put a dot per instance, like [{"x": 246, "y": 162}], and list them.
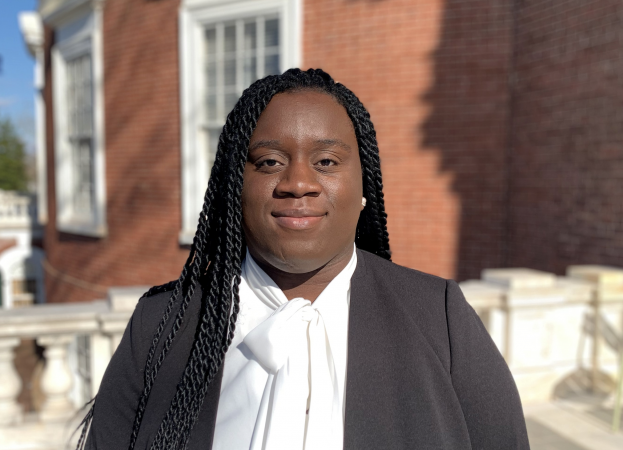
[{"x": 218, "y": 248}]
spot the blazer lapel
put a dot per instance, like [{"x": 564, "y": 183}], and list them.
[
  {"x": 373, "y": 417},
  {"x": 357, "y": 387}
]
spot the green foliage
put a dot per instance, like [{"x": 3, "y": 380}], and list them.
[{"x": 12, "y": 158}]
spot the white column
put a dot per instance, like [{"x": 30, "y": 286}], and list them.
[
  {"x": 57, "y": 379},
  {"x": 101, "y": 351},
  {"x": 10, "y": 384}
]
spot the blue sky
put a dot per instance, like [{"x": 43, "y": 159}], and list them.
[{"x": 16, "y": 71}]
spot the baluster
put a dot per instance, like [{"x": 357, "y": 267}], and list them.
[
  {"x": 10, "y": 384},
  {"x": 57, "y": 380},
  {"x": 100, "y": 357}
]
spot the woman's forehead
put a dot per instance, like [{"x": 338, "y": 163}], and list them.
[{"x": 308, "y": 113}]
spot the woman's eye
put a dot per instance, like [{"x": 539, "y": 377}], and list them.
[
  {"x": 326, "y": 162},
  {"x": 268, "y": 163}
]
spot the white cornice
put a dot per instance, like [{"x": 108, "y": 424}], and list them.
[{"x": 32, "y": 30}]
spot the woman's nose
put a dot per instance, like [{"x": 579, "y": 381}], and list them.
[{"x": 299, "y": 180}]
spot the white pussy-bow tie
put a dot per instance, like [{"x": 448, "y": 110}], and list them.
[{"x": 300, "y": 405}]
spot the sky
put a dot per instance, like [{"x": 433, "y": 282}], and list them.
[{"x": 16, "y": 71}]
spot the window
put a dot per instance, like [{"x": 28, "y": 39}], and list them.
[
  {"x": 78, "y": 125},
  {"x": 225, "y": 48}
]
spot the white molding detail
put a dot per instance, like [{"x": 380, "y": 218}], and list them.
[
  {"x": 31, "y": 27},
  {"x": 59, "y": 12},
  {"x": 98, "y": 118},
  {"x": 79, "y": 34},
  {"x": 194, "y": 15}
]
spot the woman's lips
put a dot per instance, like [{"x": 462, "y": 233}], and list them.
[{"x": 298, "y": 219}]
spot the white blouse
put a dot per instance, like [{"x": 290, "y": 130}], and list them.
[{"x": 285, "y": 372}]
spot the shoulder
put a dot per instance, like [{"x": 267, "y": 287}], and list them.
[
  {"x": 429, "y": 294},
  {"x": 422, "y": 298},
  {"x": 400, "y": 278},
  {"x": 151, "y": 308}
]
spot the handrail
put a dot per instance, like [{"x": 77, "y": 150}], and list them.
[{"x": 48, "y": 319}]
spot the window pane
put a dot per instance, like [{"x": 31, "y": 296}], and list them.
[
  {"x": 230, "y": 72},
  {"x": 211, "y": 75},
  {"x": 83, "y": 177},
  {"x": 79, "y": 97},
  {"x": 230, "y": 100},
  {"x": 250, "y": 60},
  {"x": 230, "y": 38},
  {"x": 271, "y": 34},
  {"x": 250, "y": 70},
  {"x": 212, "y": 114},
  {"x": 250, "y": 36},
  {"x": 271, "y": 65},
  {"x": 210, "y": 36},
  {"x": 85, "y": 97}
]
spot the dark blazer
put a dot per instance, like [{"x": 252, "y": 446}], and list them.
[{"x": 422, "y": 372}]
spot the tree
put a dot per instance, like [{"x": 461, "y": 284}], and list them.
[{"x": 12, "y": 158}]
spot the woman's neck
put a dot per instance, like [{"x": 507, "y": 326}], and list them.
[{"x": 307, "y": 285}]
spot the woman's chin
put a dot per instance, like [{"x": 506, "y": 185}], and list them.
[{"x": 297, "y": 257}]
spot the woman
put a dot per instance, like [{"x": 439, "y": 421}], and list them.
[{"x": 289, "y": 327}]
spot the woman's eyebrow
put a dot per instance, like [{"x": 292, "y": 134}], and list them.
[
  {"x": 274, "y": 143},
  {"x": 264, "y": 143},
  {"x": 334, "y": 143}
]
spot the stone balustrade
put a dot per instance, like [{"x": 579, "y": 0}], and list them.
[
  {"x": 55, "y": 328},
  {"x": 554, "y": 332},
  {"x": 606, "y": 321},
  {"x": 544, "y": 326},
  {"x": 17, "y": 209}
]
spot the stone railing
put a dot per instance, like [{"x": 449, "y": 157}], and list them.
[
  {"x": 556, "y": 333},
  {"x": 17, "y": 209},
  {"x": 55, "y": 327}
]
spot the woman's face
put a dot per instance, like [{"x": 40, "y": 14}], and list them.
[{"x": 302, "y": 190}]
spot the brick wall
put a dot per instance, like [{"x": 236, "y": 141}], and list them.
[
  {"x": 567, "y": 148},
  {"x": 433, "y": 75},
  {"x": 478, "y": 173},
  {"x": 142, "y": 159}
]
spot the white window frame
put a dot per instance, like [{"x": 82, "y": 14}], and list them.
[
  {"x": 194, "y": 16},
  {"x": 79, "y": 32}
]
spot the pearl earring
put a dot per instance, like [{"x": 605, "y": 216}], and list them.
[{"x": 363, "y": 201}]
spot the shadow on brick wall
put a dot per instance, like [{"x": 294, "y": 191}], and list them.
[
  {"x": 526, "y": 114},
  {"x": 469, "y": 124}
]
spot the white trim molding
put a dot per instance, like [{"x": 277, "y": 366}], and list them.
[
  {"x": 194, "y": 17},
  {"x": 31, "y": 27},
  {"x": 78, "y": 34},
  {"x": 56, "y": 13}
]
